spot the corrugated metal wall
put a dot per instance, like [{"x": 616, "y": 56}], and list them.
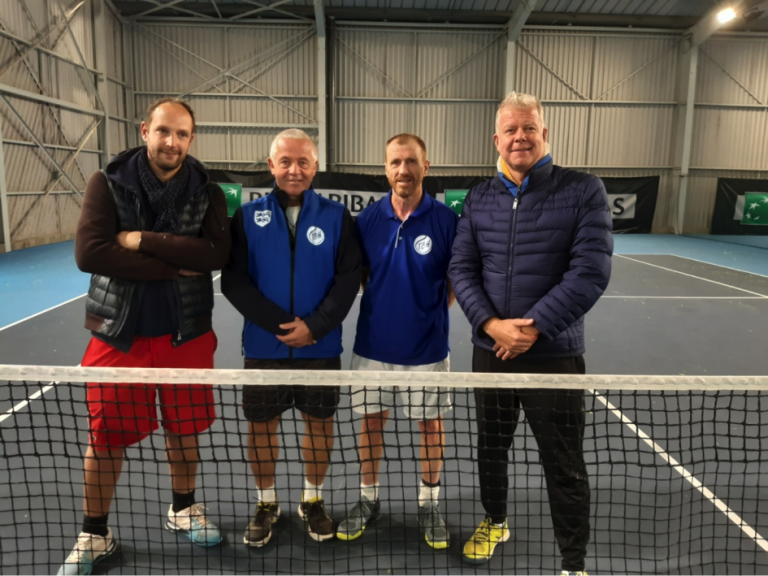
[
  {"x": 730, "y": 122},
  {"x": 42, "y": 206},
  {"x": 612, "y": 101},
  {"x": 441, "y": 84},
  {"x": 245, "y": 84}
]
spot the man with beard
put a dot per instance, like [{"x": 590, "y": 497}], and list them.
[
  {"x": 293, "y": 274},
  {"x": 532, "y": 256},
  {"x": 151, "y": 230},
  {"x": 406, "y": 241}
]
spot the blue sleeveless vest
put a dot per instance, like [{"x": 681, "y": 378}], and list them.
[{"x": 297, "y": 283}]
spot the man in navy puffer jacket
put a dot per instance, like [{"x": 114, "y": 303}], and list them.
[{"x": 532, "y": 255}]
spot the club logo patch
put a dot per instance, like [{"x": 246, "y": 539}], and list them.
[
  {"x": 423, "y": 245},
  {"x": 262, "y": 217},
  {"x": 315, "y": 235}
]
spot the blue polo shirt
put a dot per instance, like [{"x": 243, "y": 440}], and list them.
[{"x": 404, "y": 310}]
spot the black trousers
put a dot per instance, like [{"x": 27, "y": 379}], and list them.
[{"x": 556, "y": 418}]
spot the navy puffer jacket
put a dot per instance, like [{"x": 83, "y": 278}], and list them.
[{"x": 544, "y": 255}]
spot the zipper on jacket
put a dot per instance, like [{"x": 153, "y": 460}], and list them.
[
  {"x": 292, "y": 241},
  {"x": 511, "y": 248}
]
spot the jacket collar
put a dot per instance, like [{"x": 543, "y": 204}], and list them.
[
  {"x": 426, "y": 204},
  {"x": 541, "y": 171},
  {"x": 281, "y": 196},
  {"x": 123, "y": 169}
]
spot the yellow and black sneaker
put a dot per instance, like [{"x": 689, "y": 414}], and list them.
[
  {"x": 358, "y": 518},
  {"x": 480, "y": 547},
  {"x": 435, "y": 530},
  {"x": 259, "y": 530},
  {"x": 319, "y": 524}
]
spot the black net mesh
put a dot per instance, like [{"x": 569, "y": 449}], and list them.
[{"x": 675, "y": 475}]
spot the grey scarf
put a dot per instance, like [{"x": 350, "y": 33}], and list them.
[{"x": 163, "y": 197}]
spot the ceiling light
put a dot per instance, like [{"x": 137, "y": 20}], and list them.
[{"x": 726, "y": 15}]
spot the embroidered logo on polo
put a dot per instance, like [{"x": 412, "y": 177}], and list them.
[
  {"x": 262, "y": 217},
  {"x": 315, "y": 235},
  {"x": 423, "y": 245}
]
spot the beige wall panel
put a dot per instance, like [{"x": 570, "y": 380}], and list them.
[
  {"x": 635, "y": 68},
  {"x": 69, "y": 212},
  {"x": 554, "y": 66},
  {"x": 373, "y": 63},
  {"x": 275, "y": 60},
  {"x": 42, "y": 218},
  {"x": 631, "y": 136},
  {"x": 114, "y": 47},
  {"x": 729, "y": 138},
  {"x": 724, "y": 63},
  {"x": 288, "y": 110},
  {"x": 116, "y": 100},
  {"x": 26, "y": 168},
  {"x": 82, "y": 29},
  {"x": 567, "y": 133},
  {"x": 160, "y": 66},
  {"x": 21, "y": 74}
]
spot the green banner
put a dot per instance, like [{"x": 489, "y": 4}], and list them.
[
  {"x": 455, "y": 199},
  {"x": 234, "y": 195},
  {"x": 755, "y": 208}
]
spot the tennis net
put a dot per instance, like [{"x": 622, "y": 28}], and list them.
[{"x": 674, "y": 465}]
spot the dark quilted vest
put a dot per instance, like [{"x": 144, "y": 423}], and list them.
[{"x": 110, "y": 298}]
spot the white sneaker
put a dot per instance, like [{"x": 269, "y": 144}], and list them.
[
  {"x": 89, "y": 551},
  {"x": 193, "y": 523}
]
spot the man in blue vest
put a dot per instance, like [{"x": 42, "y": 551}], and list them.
[
  {"x": 406, "y": 241},
  {"x": 293, "y": 273},
  {"x": 532, "y": 256}
]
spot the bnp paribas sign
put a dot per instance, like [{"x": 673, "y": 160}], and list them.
[{"x": 755, "y": 211}]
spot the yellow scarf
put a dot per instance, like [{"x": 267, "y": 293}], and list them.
[{"x": 502, "y": 167}]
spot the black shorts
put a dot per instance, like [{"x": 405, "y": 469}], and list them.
[{"x": 265, "y": 403}]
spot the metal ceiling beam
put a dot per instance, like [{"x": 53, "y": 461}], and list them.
[
  {"x": 19, "y": 93},
  {"x": 265, "y": 7},
  {"x": 157, "y": 7},
  {"x": 704, "y": 28},
  {"x": 101, "y": 25},
  {"x": 322, "y": 133},
  {"x": 4, "y": 214},
  {"x": 514, "y": 27}
]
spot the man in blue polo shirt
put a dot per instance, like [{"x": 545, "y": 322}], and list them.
[{"x": 406, "y": 240}]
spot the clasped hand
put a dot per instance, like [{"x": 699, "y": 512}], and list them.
[
  {"x": 299, "y": 334},
  {"x": 512, "y": 337}
]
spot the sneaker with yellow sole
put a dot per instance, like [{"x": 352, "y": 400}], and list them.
[{"x": 480, "y": 547}]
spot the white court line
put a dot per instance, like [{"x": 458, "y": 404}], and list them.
[
  {"x": 59, "y": 306},
  {"x": 42, "y": 312},
  {"x": 713, "y": 264},
  {"x": 691, "y": 276},
  {"x": 23, "y": 403},
  {"x": 690, "y": 478},
  {"x": 50, "y": 385},
  {"x": 685, "y": 297}
]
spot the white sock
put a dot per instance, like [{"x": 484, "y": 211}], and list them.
[
  {"x": 312, "y": 492},
  {"x": 428, "y": 493},
  {"x": 268, "y": 495},
  {"x": 370, "y": 493}
]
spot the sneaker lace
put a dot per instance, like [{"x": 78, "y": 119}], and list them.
[
  {"x": 197, "y": 512},
  {"x": 483, "y": 533}
]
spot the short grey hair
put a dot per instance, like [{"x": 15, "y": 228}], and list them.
[
  {"x": 520, "y": 101},
  {"x": 291, "y": 134}
]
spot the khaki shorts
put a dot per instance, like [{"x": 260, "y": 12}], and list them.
[{"x": 420, "y": 402}]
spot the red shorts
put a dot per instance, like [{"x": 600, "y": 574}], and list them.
[{"x": 124, "y": 414}]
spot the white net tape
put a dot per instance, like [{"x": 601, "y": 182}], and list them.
[{"x": 373, "y": 379}]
